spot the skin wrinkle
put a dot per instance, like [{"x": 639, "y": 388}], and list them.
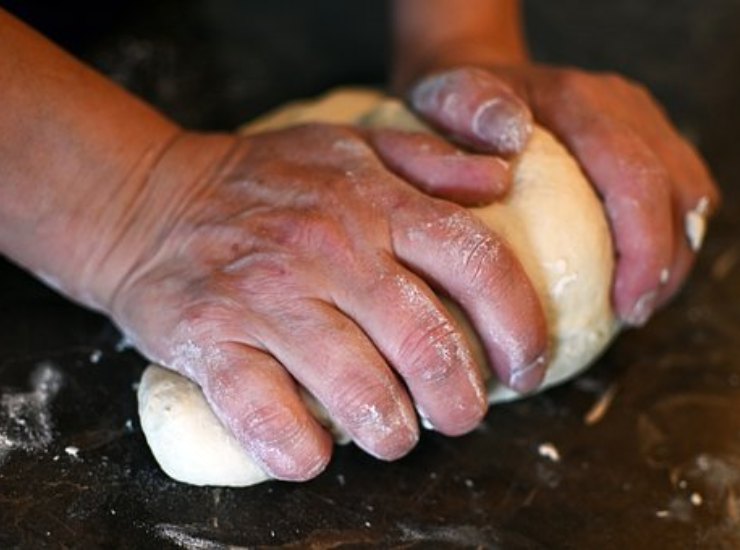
[
  {"x": 150, "y": 160},
  {"x": 480, "y": 247},
  {"x": 387, "y": 425},
  {"x": 343, "y": 404},
  {"x": 358, "y": 417},
  {"x": 270, "y": 457},
  {"x": 200, "y": 187},
  {"x": 485, "y": 249},
  {"x": 450, "y": 346},
  {"x": 444, "y": 339},
  {"x": 268, "y": 451}
]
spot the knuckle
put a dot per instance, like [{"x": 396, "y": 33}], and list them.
[
  {"x": 297, "y": 232},
  {"x": 361, "y": 402},
  {"x": 282, "y": 440},
  {"x": 432, "y": 353},
  {"x": 322, "y": 233},
  {"x": 482, "y": 257},
  {"x": 201, "y": 319},
  {"x": 273, "y": 424},
  {"x": 477, "y": 253}
]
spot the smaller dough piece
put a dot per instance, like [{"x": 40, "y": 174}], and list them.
[{"x": 188, "y": 441}]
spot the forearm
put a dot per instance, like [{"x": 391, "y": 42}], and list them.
[
  {"x": 74, "y": 151},
  {"x": 438, "y": 34}
]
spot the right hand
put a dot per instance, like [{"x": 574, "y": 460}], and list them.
[{"x": 298, "y": 257}]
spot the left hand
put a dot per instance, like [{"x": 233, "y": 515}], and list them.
[{"x": 656, "y": 190}]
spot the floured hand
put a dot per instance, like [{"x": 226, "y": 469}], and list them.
[
  {"x": 656, "y": 189},
  {"x": 257, "y": 262}
]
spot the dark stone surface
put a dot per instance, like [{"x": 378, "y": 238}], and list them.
[{"x": 661, "y": 469}]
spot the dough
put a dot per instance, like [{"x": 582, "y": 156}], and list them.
[{"x": 551, "y": 218}]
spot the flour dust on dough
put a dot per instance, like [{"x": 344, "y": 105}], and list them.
[{"x": 551, "y": 219}]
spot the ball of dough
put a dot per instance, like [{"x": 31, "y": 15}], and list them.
[{"x": 552, "y": 220}]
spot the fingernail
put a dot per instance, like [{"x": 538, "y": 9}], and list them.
[
  {"x": 528, "y": 378},
  {"x": 502, "y": 125},
  {"x": 425, "y": 94},
  {"x": 695, "y": 224},
  {"x": 665, "y": 274},
  {"x": 643, "y": 309}
]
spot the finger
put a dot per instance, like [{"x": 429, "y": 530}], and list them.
[
  {"x": 476, "y": 109},
  {"x": 441, "y": 170},
  {"x": 683, "y": 258},
  {"x": 258, "y": 402},
  {"x": 451, "y": 248},
  {"x": 636, "y": 191},
  {"x": 331, "y": 357},
  {"x": 417, "y": 335},
  {"x": 685, "y": 164},
  {"x": 695, "y": 195},
  {"x": 695, "y": 199}
]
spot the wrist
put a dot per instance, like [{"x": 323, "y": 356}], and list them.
[
  {"x": 159, "y": 199},
  {"x": 77, "y": 156},
  {"x": 454, "y": 56},
  {"x": 434, "y": 35}
]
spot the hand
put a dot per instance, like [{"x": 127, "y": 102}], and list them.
[
  {"x": 252, "y": 263},
  {"x": 656, "y": 190}
]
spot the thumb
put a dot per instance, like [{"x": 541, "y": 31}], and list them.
[{"x": 475, "y": 108}]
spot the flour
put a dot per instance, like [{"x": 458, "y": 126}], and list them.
[{"x": 25, "y": 417}]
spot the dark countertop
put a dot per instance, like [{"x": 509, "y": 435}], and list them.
[{"x": 659, "y": 469}]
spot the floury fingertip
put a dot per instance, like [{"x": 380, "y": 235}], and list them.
[
  {"x": 502, "y": 125},
  {"x": 529, "y": 377}
]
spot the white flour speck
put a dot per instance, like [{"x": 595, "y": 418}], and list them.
[
  {"x": 562, "y": 283},
  {"x": 123, "y": 344},
  {"x": 548, "y": 450},
  {"x": 185, "y": 537},
  {"x": 695, "y": 223},
  {"x": 25, "y": 417}
]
